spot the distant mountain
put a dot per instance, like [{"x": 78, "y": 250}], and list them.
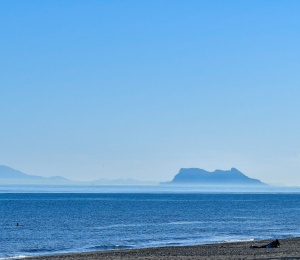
[
  {"x": 11, "y": 176},
  {"x": 218, "y": 177}
]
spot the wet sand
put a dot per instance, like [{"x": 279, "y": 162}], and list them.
[{"x": 290, "y": 249}]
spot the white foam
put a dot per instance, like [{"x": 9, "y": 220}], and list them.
[
  {"x": 239, "y": 240},
  {"x": 13, "y": 257},
  {"x": 185, "y": 222}
]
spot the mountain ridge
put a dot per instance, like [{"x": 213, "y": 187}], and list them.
[
  {"x": 10, "y": 175},
  {"x": 185, "y": 176}
]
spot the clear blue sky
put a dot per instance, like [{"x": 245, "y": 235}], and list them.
[{"x": 140, "y": 89}]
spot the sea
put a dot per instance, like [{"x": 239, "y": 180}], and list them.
[{"x": 54, "y": 220}]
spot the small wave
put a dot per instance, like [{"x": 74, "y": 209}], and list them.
[
  {"x": 185, "y": 222},
  {"x": 13, "y": 257},
  {"x": 108, "y": 247},
  {"x": 45, "y": 250},
  {"x": 238, "y": 240},
  {"x": 39, "y": 250},
  {"x": 147, "y": 224},
  {"x": 120, "y": 226}
]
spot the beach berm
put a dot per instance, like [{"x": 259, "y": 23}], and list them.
[{"x": 289, "y": 249}]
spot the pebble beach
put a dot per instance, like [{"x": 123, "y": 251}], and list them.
[{"x": 289, "y": 249}]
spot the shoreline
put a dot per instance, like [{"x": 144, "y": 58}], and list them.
[{"x": 289, "y": 249}]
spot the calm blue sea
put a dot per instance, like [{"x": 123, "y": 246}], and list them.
[{"x": 51, "y": 223}]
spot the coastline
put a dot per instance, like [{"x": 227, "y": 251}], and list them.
[{"x": 290, "y": 249}]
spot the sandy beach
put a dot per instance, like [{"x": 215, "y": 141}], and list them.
[{"x": 290, "y": 249}]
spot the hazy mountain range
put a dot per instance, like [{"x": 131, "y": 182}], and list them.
[
  {"x": 9, "y": 175},
  {"x": 186, "y": 176}
]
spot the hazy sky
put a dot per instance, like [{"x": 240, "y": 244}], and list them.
[{"x": 140, "y": 89}]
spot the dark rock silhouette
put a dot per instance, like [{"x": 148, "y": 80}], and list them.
[{"x": 218, "y": 177}]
